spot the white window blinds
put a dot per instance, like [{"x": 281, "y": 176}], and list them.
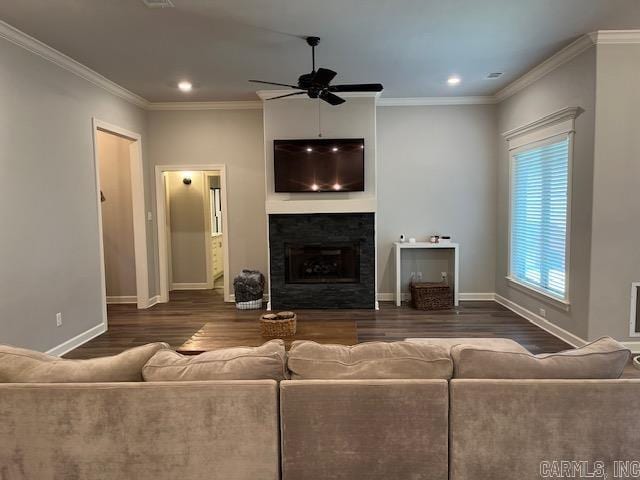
[{"x": 539, "y": 199}]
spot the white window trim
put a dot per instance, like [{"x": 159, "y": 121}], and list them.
[{"x": 548, "y": 129}]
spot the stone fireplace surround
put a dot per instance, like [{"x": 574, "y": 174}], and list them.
[{"x": 326, "y": 229}]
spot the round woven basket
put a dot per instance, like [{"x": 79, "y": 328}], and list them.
[{"x": 282, "y": 324}]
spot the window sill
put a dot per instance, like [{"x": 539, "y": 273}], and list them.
[{"x": 539, "y": 294}]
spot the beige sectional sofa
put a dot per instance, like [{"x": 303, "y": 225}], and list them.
[{"x": 431, "y": 428}]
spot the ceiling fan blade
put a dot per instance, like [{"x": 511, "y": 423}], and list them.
[
  {"x": 287, "y": 95},
  {"x": 323, "y": 77},
  {"x": 279, "y": 84},
  {"x": 357, "y": 87},
  {"x": 331, "y": 98}
]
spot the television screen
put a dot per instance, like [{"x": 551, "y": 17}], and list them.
[{"x": 319, "y": 165}]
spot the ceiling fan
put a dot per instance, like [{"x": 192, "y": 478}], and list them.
[{"x": 317, "y": 83}]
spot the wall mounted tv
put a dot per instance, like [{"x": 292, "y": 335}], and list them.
[{"x": 319, "y": 165}]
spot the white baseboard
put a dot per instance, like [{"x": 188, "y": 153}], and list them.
[
  {"x": 78, "y": 340},
  {"x": 122, "y": 299},
  {"x": 633, "y": 346},
  {"x": 153, "y": 301},
  {"x": 190, "y": 286},
  {"x": 478, "y": 297},
  {"x": 541, "y": 322},
  {"x": 390, "y": 297}
]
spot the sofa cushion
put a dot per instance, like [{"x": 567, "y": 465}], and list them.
[
  {"x": 604, "y": 358},
  {"x": 19, "y": 365},
  {"x": 495, "y": 344},
  {"x": 266, "y": 362},
  {"x": 372, "y": 360}
]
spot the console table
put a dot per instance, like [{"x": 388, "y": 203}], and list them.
[{"x": 400, "y": 246}]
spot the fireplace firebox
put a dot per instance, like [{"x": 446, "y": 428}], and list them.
[{"x": 324, "y": 263}]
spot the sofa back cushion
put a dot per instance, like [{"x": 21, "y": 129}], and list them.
[
  {"x": 372, "y": 360},
  {"x": 266, "y": 362},
  {"x": 494, "y": 344},
  {"x": 602, "y": 359},
  {"x": 19, "y": 365}
]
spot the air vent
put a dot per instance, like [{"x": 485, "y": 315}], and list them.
[
  {"x": 494, "y": 75},
  {"x": 158, "y": 3}
]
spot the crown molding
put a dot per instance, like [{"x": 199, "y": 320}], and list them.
[
  {"x": 268, "y": 94},
  {"x": 430, "y": 101},
  {"x": 232, "y": 105},
  {"x": 567, "y": 113},
  {"x": 33, "y": 45},
  {"x": 550, "y": 64},
  {"x": 615, "y": 37}
]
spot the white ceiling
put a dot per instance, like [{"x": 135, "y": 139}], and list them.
[{"x": 410, "y": 46}]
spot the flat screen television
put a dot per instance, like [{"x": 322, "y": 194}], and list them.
[{"x": 319, "y": 165}]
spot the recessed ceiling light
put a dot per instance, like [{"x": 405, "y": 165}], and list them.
[
  {"x": 185, "y": 86},
  {"x": 314, "y": 187},
  {"x": 309, "y": 149},
  {"x": 334, "y": 149},
  {"x": 453, "y": 80},
  {"x": 337, "y": 186}
]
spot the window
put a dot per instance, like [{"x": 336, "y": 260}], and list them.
[{"x": 539, "y": 208}]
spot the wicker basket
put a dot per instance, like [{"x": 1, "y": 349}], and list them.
[
  {"x": 431, "y": 296},
  {"x": 250, "y": 305},
  {"x": 277, "y": 325}
]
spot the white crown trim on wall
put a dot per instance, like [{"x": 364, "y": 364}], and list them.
[
  {"x": 45, "y": 51},
  {"x": 550, "y": 64},
  {"x": 615, "y": 37},
  {"x": 430, "y": 101},
  {"x": 232, "y": 105}
]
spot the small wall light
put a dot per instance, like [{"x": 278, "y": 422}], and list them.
[{"x": 186, "y": 180}]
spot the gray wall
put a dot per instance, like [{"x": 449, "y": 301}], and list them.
[
  {"x": 49, "y": 244},
  {"x": 117, "y": 214},
  {"x": 188, "y": 244},
  {"x": 436, "y": 174},
  {"x": 615, "y": 247},
  {"x": 572, "y": 84},
  {"x": 233, "y": 138}
]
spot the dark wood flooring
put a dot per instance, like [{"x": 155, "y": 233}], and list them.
[{"x": 188, "y": 312}]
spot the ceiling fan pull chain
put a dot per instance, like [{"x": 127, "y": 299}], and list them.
[{"x": 319, "y": 120}]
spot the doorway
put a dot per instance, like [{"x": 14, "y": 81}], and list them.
[
  {"x": 193, "y": 248},
  {"x": 121, "y": 216}
]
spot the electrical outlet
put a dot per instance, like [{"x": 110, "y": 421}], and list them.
[
  {"x": 150, "y": 216},
  {"x": 542, "y": 312},
  {"x": 58, "y": 319},
  {"x": 443, "y": 275}
]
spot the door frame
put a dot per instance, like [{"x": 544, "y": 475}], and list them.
[
  {"x": 136, "y": 167},
  {"x": 161, "y": 209}
]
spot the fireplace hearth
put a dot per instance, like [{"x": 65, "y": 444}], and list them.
[{"x": 322, "y": 260}]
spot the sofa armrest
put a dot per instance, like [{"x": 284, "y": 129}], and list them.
[
  {"x": 373, "y": 429},
  {"x": 164, "y": 430},
  {"x": 519, "y": 428}
]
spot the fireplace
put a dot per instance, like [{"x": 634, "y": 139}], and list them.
[
  {"x": 325, "y": 263},
  {"x": 322, "y": 260}
]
